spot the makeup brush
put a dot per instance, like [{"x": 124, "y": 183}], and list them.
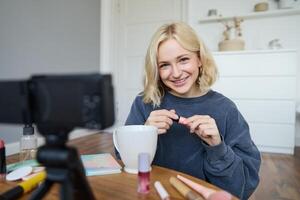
[
  {"x": 206, "y": 192},
  {"x": 184, "y": 190}
]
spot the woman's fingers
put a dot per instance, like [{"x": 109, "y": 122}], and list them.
[
  {"x": 206, "y": 133},
  {"x": 168, "y": 113},
  {"x": 162, "y": 119},
  {"x": 200, "y": 120},
  {"x": 162, "y": 125},
  {"x": 157, "y": 119},
  {"x": 206, "y": 128}
]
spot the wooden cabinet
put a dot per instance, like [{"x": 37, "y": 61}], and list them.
[{"x": 263, "y": 86}]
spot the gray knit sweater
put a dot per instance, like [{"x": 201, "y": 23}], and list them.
[{"x": 232, "y": 165}]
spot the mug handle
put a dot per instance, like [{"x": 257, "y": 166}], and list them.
[{"x": 115, "y": 140}]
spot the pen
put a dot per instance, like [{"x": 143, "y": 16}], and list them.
[
  {"x": 184, "y": 190},
  {"x": 23, "y": 187},
  {"x": 206, "y": 192},
  {"x": 161, "y": 191},
  {"x": 2, "y": 161}
]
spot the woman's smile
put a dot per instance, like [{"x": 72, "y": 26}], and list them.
[{"x": 180, "y": 82}]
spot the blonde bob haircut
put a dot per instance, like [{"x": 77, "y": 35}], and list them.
[{"x": 154, "y": 89}]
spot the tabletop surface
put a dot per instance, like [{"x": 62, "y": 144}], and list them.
[{"x": 114, "y": 186}]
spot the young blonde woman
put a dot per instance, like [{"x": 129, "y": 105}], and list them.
[{"x": 212, "y": 139}]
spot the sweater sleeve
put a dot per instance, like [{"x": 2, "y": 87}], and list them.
[
  {"x": 234, "y": 164},
  {"x": 137, "y": 114}
]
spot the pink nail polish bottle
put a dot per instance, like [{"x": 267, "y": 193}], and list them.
[{"x": 144, "y": 173}]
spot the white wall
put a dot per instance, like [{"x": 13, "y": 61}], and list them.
[
  {"x": 256, "y": 32},
  {"x": 47, "y": 36}
]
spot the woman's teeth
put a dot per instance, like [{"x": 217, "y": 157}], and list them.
[{"x": 179, "y": 82}]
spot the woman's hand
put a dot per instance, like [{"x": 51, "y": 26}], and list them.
[
  {"x": 162, "y": 119},
  {"x": 206, "y": 128}
]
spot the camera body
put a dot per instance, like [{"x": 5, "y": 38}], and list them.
[{"x": 59, "y": 102}]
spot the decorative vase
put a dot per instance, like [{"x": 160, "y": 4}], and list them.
[
  {"x": 236, "y": 44},
  {"x": 263, "y": 6}
]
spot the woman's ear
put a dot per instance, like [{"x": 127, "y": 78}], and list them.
[
  {"x": 199, "y": 63},
  {"x": 200, "y": 71}
]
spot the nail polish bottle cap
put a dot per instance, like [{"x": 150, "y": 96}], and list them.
[
  {"x": 144, "y": 162},
  {"x": 28, "y": 130}
]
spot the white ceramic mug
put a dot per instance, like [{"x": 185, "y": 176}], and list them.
[{"x": 134, "y": 139}]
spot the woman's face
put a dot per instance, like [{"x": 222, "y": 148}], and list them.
[{"x": 178, "y": 69}]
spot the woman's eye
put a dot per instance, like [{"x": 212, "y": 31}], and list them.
[
  {"x": 163, "y": 65},
  {"x": 184, "y": 60}
]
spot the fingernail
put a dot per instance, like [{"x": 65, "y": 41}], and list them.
[{"x": 177, "y": 120}]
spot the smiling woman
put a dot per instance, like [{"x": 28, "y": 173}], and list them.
[
  {"x": 181, "y": 42},
  {"x": 179, "y": 69},
  {"x": 213, "y": 143}
]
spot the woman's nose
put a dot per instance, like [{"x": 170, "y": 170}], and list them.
[{"x": 176, "y": 71}]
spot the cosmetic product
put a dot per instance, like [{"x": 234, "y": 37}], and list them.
[
  {"x": 2, "y": 161},
  {"x": 220, "y": 195},
  {"x": 181, "y": 120},
  {"x": 34, "y": 172},
  {"x": 206, "y": 192},
  {"x": 144, "y": 173},
  {"x": 28, "y": 144},
  {"x": 19, "y": 173},
  {"x": 161, "y": 191},
  {"x": 23, "y": 187},
  {"x": 176, "y": 120},
  {"x": 184, "y": 190}
]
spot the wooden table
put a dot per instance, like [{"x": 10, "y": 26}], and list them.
[{"x": 115, "y": 186}]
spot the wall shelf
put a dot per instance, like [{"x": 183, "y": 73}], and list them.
[{"x": 253, "y": 15}]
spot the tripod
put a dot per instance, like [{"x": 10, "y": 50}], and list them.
[{"x": 63, "y": 166}]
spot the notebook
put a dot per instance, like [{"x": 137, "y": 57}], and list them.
[{"x": 100, "y": 164}]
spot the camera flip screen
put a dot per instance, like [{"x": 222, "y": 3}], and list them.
[{"x": 59, "y": 101}]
